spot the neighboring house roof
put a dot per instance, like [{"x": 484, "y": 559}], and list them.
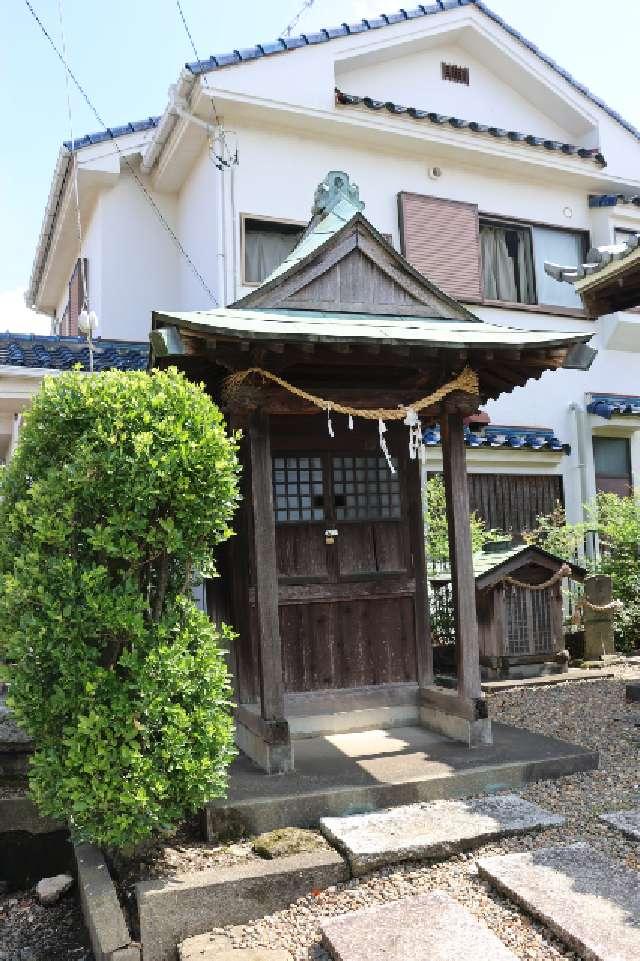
[
  {"x": 286, "y": 44},
  {"x": 612, "y": 200},
  {"x": 515, "y": 136},
  {"x": 111, "y": 133},
  {"x": 504, "y": 437},
  {"x": 63, "y": 353},
  {"x": 606, "y": 405}
]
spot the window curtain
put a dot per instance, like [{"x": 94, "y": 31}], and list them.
[
  {"x": 264, "y": 250},
  {"x": 556, "y": 247},
  {"x": 498, "y": 269},
  {"x": 525, "y": 268}
]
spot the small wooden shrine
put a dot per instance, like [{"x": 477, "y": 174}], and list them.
[
  {"x": 519, "y": 608},
  {"x": 329, "y": 367}
]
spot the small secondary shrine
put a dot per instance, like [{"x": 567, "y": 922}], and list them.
[
  {"x": 332, "y": 367},
  {"x": 519, "y": 609}
]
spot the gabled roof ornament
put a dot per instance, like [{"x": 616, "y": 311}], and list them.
[{"x": 334, "y": 188}]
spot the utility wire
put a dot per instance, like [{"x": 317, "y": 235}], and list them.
[
  {"x": 303, "y": 9},
  {"x": 225, "y": 158},
  {"x": 123, "y": 157},
  {"x": 74, "y": 161}
]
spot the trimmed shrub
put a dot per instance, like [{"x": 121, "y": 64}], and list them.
[{"x": 121, "y": 487}]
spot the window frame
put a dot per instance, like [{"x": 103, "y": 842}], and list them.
[
  {"x": 498, "y": 220},
  {"x": 326, "y": 457},
  {"x": 263, "y": 218},
  {"x": 626, "y": 437}
]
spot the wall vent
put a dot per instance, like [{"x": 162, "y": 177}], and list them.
[{"x": 454, "y": 73}]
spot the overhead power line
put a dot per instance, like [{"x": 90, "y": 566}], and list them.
[
  {"x": 226, "y": 157},
  {"x": 303, "y": 9},
  {"x": 123, "y": 157}
]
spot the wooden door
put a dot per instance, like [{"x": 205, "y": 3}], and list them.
[{"x": 346, "y": 601}]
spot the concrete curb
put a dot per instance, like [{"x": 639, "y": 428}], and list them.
[
  {"x": 171, "y": 911},
  {"x": 103, "y": 916}
]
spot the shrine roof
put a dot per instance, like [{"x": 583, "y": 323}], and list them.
[
  {"x": 323, "y": 326},
  {"x": 501, "y": 561}
]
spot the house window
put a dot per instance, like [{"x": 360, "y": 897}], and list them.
[
  {"x": 454, "y": 73},
  {"x": 612, "y": 465},
  {"x": 266, "y": 244},
  {"x": 513, "y": 258},
  {"x": 623, "y": 236}
]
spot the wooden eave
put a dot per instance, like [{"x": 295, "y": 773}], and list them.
[
  {"x": 374, "y": 369},
  {"x": 614, "y": 287}
]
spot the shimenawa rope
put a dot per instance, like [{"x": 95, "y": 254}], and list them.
[
  {"x": 562, "y": 572},
  {"x": 466, "y": 381}
]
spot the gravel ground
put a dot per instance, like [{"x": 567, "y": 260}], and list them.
[
  {"x": 31, "y": 932},
  {"x": 591, "y": 713}
]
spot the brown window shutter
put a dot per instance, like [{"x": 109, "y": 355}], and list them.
[
  {"x": 441, "y": 238},
  {"x": 76, "y": 295}
]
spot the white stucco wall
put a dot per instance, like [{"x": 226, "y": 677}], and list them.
[
  {"x": 138, "y": 266},
  {"x": 289, "y": 133}
]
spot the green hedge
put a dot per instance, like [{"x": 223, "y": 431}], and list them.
[{"x": 121, "y": 486}]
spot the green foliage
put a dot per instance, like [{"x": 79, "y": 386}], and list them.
[
  {"x": 616, "y": 522},
  {"x": 436, "y": 522},
  {"x": 121, "y": 486}
]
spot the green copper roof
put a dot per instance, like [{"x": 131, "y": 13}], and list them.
[
  {"x": 318, "y": 326},
  {"x": 335, "y": 203}
]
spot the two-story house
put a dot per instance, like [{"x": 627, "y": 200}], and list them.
[{"x": 479, "y": 157}]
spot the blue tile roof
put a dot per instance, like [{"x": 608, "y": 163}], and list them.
[
  {"x": 285, "y": 44},
  {"x": 606, "y": 405},
  {"x": 90, "y": 139},
  {"x": 497, "y": 436},
  {"x": 585, "y": 153},
  {"x": 62, "y": 353},
  {"x": 612, "y": 200}
]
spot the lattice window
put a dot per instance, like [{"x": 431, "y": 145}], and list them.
[
  {"x": 365, "y": 489},
  {"x": 517, "y": 620},
  {"x": 542, "y": 640},
  {"x": 298, "y": 489}
]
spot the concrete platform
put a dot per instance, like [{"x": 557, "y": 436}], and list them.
[
  {"x": 428, "y": 927},
  {"x": 545, "y": 680},
  {"x": 589, "y": 901},
  {"x": 628, "y": 822},
  {"x": 369, "y": 770},
  {"x": 436, "y": 829}
]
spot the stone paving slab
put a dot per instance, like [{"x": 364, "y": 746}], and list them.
[
  {"x": 588, "y": 901},
  {"x": 434, "y": 829},
  {"x": 427, "y": 927},
  {"x": 633, "y": 692},
  {"x": 626, "y": 821},
  {"x": 213, "y": 947}
]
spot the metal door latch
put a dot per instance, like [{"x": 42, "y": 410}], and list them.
[{"x": 330, "y": 536}]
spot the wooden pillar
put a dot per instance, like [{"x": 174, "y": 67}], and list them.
[
  {"x": 265, "y": 738},
  {"x": 461, "y": 555},
  {"x": 424, "y": 649},
  {"x": 266, "y": 568}
]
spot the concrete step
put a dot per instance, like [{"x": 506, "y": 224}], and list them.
[
  {"x": 436, "y": 829},
  {"x": 626, "y": 821},
  {"x": 428, "y": 927},
  {"x": 590, "y": 902}
]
